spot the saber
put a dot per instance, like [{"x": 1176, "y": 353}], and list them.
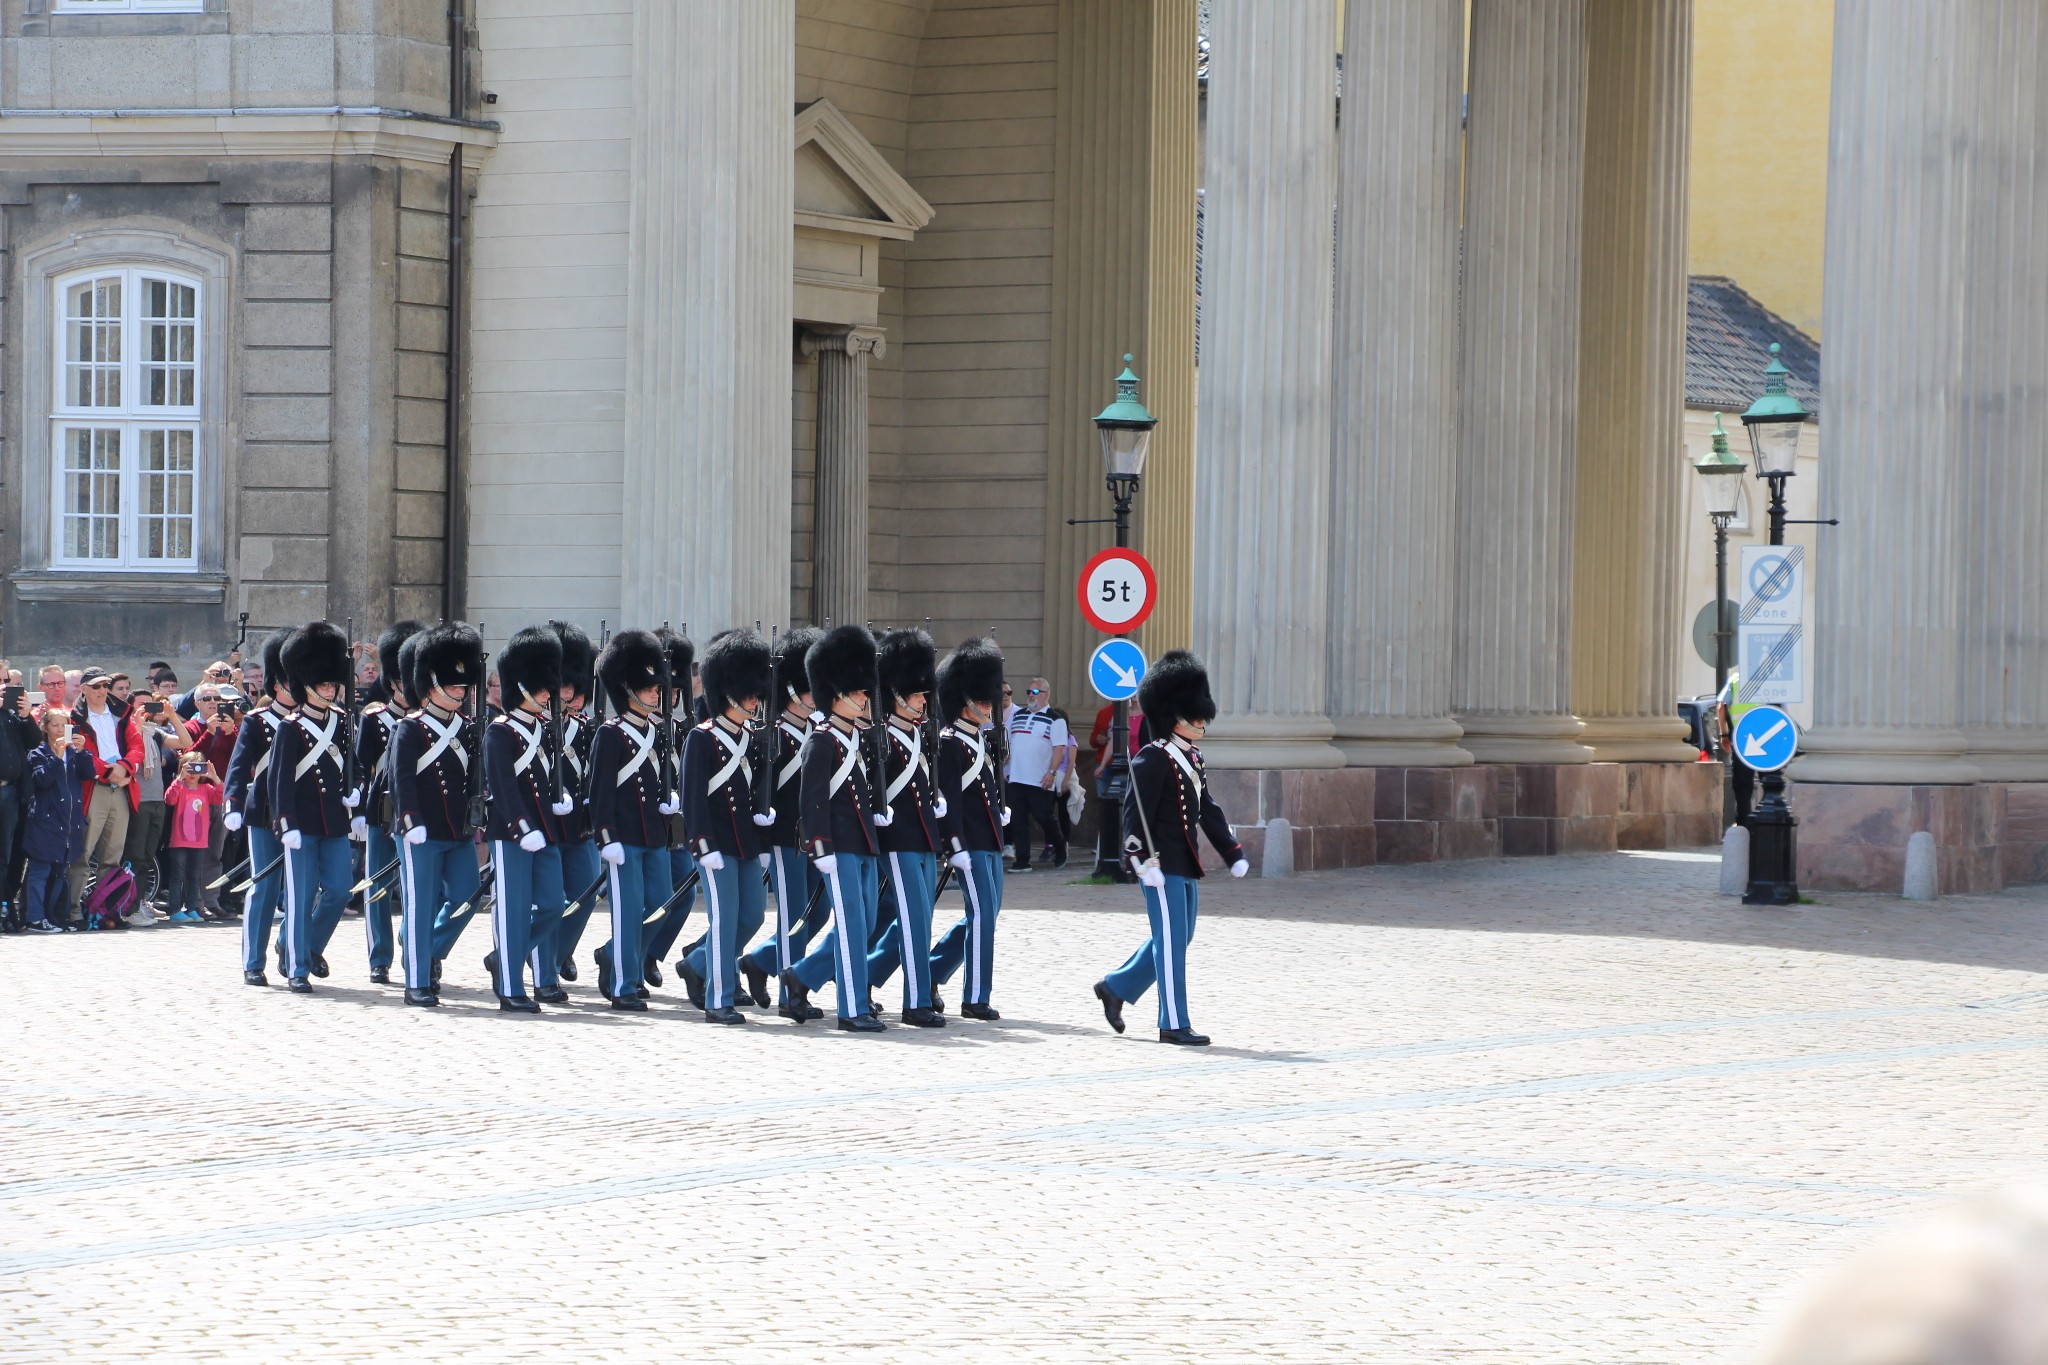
[
  {"x": 379, "y": 875},
  {"x": 224, "y": 878},
  {"x": 689, "y": 883},
  {"x": 272, "y": 866}
]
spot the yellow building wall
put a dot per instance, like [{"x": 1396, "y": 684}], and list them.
[{"x": 1760, "y": 148}]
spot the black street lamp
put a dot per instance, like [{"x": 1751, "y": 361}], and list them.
[
  {"x": 1721, "y": 482},
  {"x": 1125, "y": 428}
]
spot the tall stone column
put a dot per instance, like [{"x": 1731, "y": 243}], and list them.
[
  {"x": 1625, "y": 617},
  {"x": 707, "y": 423},
  {"x": 1518, "y": 437},
  {"x": 839, "y": 541},
  {"x": 1261, "y": 557},
  {"x": 1395, "y": 384},
  {"x": 1903, "y": 150}
]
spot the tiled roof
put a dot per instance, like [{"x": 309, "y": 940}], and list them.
[{"x": 1728, "y": 337}]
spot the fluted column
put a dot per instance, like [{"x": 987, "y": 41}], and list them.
[
  {"x": 1902, "y": 152},
  {"x": 1511, "y": 673},
  {"x": 1395, "y": 384},
  {"x": 707, "y": 423},
  {"x": 1625, "y": 619},
  {"x": 839, "y": 542},
  {"x": 2004, "y": 413},
  {"x": 1263, "y": 446}
]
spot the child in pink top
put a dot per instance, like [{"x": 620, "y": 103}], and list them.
[{"x": 191, "y": 800}]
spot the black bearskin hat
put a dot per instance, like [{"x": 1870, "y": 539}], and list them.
[
  {"x": 316, "y": 653},
  {"x": 681, "y": 656},
  {"x": 273, "y": 660},
  {"x": 842, "y": 661},
  {"x": 790, "y": 651},
  {"x": 907, "y": 661},
  {"x": 1176, "y": 688},
  {"x": 735, "y": 668},
  {"x": 579, "y": 659},
  {"x": 530, "y": 664},
  {"x": 389, "y": 670},
  {"x": 973, "y": 672},
  {"x": 447, "y": 655},
  {"x": 630, "y": 663}
]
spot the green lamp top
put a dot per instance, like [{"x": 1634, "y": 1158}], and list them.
[
  {"x": 1126, "y": 411},
  {"x": 1720, "y": 460},
  {"x": 1775, "y": 404}
]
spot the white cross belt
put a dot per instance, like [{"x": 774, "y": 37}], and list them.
[{"x": 444, "y": 740}]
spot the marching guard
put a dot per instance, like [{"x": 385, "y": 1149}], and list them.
[
  {"x": 838, "y": 824},
  {"x": 372, "y": 823},
  {"x": 626, "y": 801},
  {"x": 970, "y": 698},
  {"x": 525, "y": 820},
  {"x": 1168, "y": 803},
  {"x": 800, "y": 906},
  {"x": 723, "y": 829},
  {"x": 310, "y": 804},
  {"x": 913, "y": 831},
  {"x": 248, "y": 806},
  {"x": 431, "y": 786},
  {"x": 580, "y": 863},
  {"x": 673, "y": 721}
]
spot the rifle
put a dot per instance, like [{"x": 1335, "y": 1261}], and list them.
[
  {"x": 348, "y": 714},
  {"x": 604, "y": 637},
  {"x": 999, "y": 758},
  {"x": 663, "y": 746},
  {"x": 241, "y": 632},
  {"x": 764, "y": 724},
  {"x": 878, "y": 739},
  {"x": 555, "y": 739}
]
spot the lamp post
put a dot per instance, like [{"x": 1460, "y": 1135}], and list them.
[
  {"x": 1774, "y": 422},
  {"x": 1721, "y": 482},
  {"x": 1125, "y": 428}
]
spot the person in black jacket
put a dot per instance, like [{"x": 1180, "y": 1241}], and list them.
[
  {"x": 1168, "y": 803},
  {"x": 247, "y": 802},
  {"x": 839, "y": 831},
  {"x": 525, "y": 827},
  {"x": 722, "y": 827},
  {"x": 800, "y": 905},
  {"x": 628, "y": 808},
  {"x": 19, "y": 737},
  {"x": 431, "y": 785},
  {"x": 970, "y": 698},
  {"x": 372, "y": 824},
  {"x": 54, "y": 832},
  {"x": 310, "y": 808},
  {"x": 580, "y": 863},
  {"x": 913, "y": 831}
]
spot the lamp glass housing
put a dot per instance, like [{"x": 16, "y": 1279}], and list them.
[
  {"x": 1123, "y": 448},
  {"x": 1774, "y": 444},
  {"x": 1723, "y": 493}
]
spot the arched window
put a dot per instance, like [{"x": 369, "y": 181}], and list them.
[{"x": 126, "y": 420}]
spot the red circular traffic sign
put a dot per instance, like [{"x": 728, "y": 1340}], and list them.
[{"x": 1118, "y": 591}]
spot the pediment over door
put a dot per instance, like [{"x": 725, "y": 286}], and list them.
[{"x": 849, "y": 200}]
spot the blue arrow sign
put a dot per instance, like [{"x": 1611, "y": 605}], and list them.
[
  {"x": 1766, "y": 739},
  {"x": 1116, "y": 668}
]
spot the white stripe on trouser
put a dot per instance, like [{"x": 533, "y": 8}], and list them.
[
  {"x": 1168, "y": 991},
  {"x": 972, "y": 884},
  {"x": 618, "y": 934},
  {"x": 783, "y": 959},
  {"x": 501, "y": 919},
  {"x": 903, "y": 927},
  {"x": 408, "y": 916},
  {"x": 714, "y": 944},
  {"x": 291, "y": 902},
  {"x": 841, "y": 936}
]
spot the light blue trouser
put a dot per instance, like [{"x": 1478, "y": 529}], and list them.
[
  {"x": 378, "y": 850},
  {"x": 973, "y": 939},
  {"x": 735, "y": 902},
  {"x": 434, "y": 876},
  {"x": 262, "y": 900},
  {"x": 797, "y": 917},
  {"x": 913, "y": 884},
  {"x": 842, "y": 955},
  {"x": 1164, "y": 957},
  {"x": 526, "y": 904},
  {"x": 456, "y": 913},
  {"x": 316, "y": 882},
  {"x": 580, "y": 866},
  {"x": 638, "y": 887},
  {"x": 657, "y": 938}
]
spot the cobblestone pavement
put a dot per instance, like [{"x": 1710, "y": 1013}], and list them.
[{"x": 1573, "y": 1110}]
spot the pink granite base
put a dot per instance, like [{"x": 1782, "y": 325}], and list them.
[
  {"x": 1357, "y": 817},
  {"x": 1852, "y": 837}
]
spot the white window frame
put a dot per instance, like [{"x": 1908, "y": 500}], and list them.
[
  {"x": 132, "y": 422},
  {"x": 128, "y": 7}
]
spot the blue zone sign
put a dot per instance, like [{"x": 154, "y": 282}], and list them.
[{"x": 1766, "y": 739}]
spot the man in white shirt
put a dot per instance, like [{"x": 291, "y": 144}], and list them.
[
  {"x": 1041, "y": 756},
  {"x": 107, "y": 807}
]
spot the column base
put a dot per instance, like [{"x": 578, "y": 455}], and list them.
[
  {"x": 1863, "y": 756},
  {"x": 2007, "y": 755},
  {"x": 1258, "y": 741},
  {"x": 1491, "y": 737},
  {"x": 1400, "y": 742},
  {"x": 1852, "y": 836},
  {"x": 1637, "y": 739}
]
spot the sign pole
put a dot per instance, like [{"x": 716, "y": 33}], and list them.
[
  {"x": 1773, "y": 829},
  {"x": 1109, "y": 838}
]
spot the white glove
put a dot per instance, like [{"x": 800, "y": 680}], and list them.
[
  {"x": 1150, "y": 875},
  {"x": 883, "y": 819},
  {"x": 672, "y": 805},
  {"x": 713, "y": 861},
  {"x": 291, "y": 839},
  {"x": 233, "y": 820},
  {"x": 961, "y": 863},
  {"x": 613, "y": 853},
  {"x": 1006, "y": 817},
  {"x": 767, "y": 861},
  {"x": 939, "y": 808},
  {"x": 826, "y": 865},
  {"x": 765, "y": 818},
  {"x": 359, "y": 829},
  {"x": 352, "y": 798},
  {"x": 533, "y": 841},
  {"x": 564, "y": 806},
  {"x": 416, "y": 835},
  {"x": 1239, "y": 868}
]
